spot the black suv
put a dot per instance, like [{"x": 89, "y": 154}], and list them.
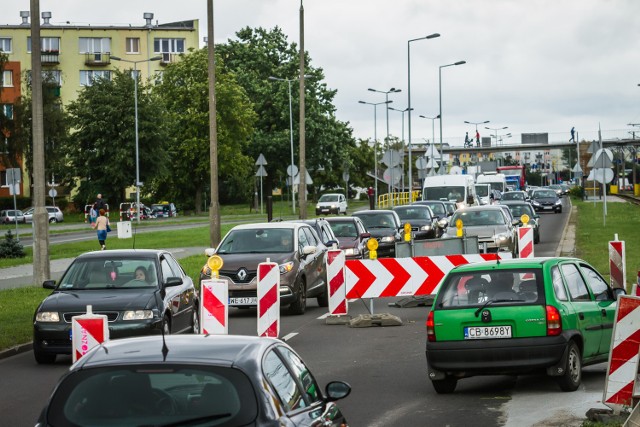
[{"x": 384, "y": 225}]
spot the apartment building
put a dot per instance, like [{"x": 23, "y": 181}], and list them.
[{"x": 74, "y": 55}]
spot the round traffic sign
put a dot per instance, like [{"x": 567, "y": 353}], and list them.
[
  {"x": 292, "y": 170},
  {"x": 53, "y": 193}
]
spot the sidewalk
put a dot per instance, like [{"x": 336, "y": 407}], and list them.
[{"x": 22, "y": 275}]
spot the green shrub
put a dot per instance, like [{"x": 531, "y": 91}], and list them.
[
  {"x": 10, "y": 247},
  {"x": 577, "y": 192}
]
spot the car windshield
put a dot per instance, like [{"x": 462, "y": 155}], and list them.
[
  {"x": 377, "y": 220},
  {"x": 437, "y": 208},
  {"x": 478, "y": 289},
  {"x": 455, "y": 193},
  {"x": 328, "y": 198},
  {"x": 407, "y": 213},
  {"x": 482, "y": 190},
  {"x": 129, "y": 396},
  {"x": 257, "y": 240},
  {"x": 344, "y": 229},
  {"x": 518, "y": 210},
  {"x": 478, "y": 218},
  {"x": 512, "y": 195},
  {"x": 106, "y": 272},
  {"x": 541, "y": 194}
]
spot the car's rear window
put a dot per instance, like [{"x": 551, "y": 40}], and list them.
[
  {"x": 474, "y": 289},
  {"x": 166, "y": 394}
]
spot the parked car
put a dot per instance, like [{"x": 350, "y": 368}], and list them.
[
  {"x": 10, "y": 216},
  {"x": 384, "y": 225},
  {"x": 165, "y": 301},
  {"x": 330, "y": 203},
  {"x": 293, "y": 245},
  {"x": 323, "y": 230},
  {"x": 352, "y": 235},
  {"x": 54, "y": 212},
  {"x": 515, "y": 195},
  {"x": 221, "y": 380},
  {"x": 439, "y": 208},
  {"x": 424, "y": 224},
  {"x": 523, "y": 208},
  {"x": 520, "y": 316},
  {"x": 490, "y": 224},
  {"x": 164, "y": 210},
  {"x": 545, "y": 199}
]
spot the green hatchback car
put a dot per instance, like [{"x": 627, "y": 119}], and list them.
[{"x": 520, "y": 316}]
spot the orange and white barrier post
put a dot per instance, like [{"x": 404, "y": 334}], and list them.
[
  {"x": 214, "y": 307},
  {"x": 336, "y": 286},
  {"x": 268, "y": 299},
  {"x": 617, "y": 263},
  {"x": 87, "y": 331},
  {"x": 525, "y": 242},
  {"x": 623, "y": 356}
]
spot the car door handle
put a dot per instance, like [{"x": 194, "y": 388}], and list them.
[
  {"x": 581, "y": 316},
  {"x": 604, "y": 312}
]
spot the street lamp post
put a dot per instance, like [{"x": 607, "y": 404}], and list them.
[
  {"x": 135, "y": 108},
  {"x": 386, "y": 94},
  {"x": 430, "y": 36},
  {"x": 375, "y": 140},
  {"x": 403, "y": 142},
  {"x": 496, "y": 131},
  {"x": 433, "y": 133},
  {"x": 440, "y": 100}
]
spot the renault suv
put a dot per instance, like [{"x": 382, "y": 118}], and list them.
[{"x": 521, "y": 316}]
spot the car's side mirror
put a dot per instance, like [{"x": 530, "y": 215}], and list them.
[
  {"x": 209, "y": 252},
  {"x": 173, "y": 281},
  {"x": 618, "y": 291},
  {"x": 515, "y": 222},
  {"x": 49, "y": 284},
  {"x": 307, "y": 250},
  {"x": 365, "y": 235},
  {"x": 443, "y": 223},
  {"x": 330, "y": 244}
]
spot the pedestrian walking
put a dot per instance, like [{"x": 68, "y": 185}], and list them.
[
  {"x": 573, "y": 135},
  {"x": 102, "y": 228},
  {"x": 372, "y": 198},
  {"x": 477, "y": 138},
  {"x": 93, "y": 215},
  {"x": 99, "y": 203},
  {"x": 467, "y": 141}
]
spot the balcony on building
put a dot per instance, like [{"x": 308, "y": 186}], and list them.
[
  {"x": 97, "y": 59},
  {"x": 50, "y": 57}
]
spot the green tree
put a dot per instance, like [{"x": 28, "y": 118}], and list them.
[
  {"x": 100, "y": 153},
  {"x": 184, "y": 88}
]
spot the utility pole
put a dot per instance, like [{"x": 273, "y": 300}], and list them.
[
  {"x": 41, "y": 266},
  {"x": 302, "y": 191},
  {"x": 214, "y": 211}
]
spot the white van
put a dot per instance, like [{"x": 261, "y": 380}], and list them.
[
  {"x": 498, "y": 181},
  {"x": 458, "y": 188}
]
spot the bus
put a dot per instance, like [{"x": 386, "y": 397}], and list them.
[{"x": 516, "y": 176}]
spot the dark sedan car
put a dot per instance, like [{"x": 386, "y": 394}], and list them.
[
  {"x": 521, "y": 208},
  {"x": 439, "y": 208},
  {"x": 424, "y": 225},
  {"x": 546, "y": 199},
  {"x": 384, "y": 225},
  {"x": 352, "y": 235},
  {"x": 165, "y": 299},
  {"x": 199, "y": 380}
]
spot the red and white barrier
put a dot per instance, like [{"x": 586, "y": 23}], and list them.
[
  {"x": 635, "y": 289},
  {"x": 623, "y": 357},
  {"x": 525, "y": 242},
  {"x": 87, "y": 331},
  {"x": 268, "y": 299},
  {"x": 214, "y": 307},
  {"x": 394, "y": 277},
  {"x": 336, "y": 286},
  {"x": 617, "y": 264}
]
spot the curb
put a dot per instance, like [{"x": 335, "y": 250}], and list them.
[
  {"x": 567, "y": 245},
  {"x": 13, "y": 351}
]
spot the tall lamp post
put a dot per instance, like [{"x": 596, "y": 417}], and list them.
[
  {"x": 375, "y": 140},
  {"x": 403, "y": 142},
  {"x": 135, "y": 104},
  {"x": 293, "y": 203},
  {"x": 495, "y": 130},
  {"x": 430, "y": 36},
  {"x": 433, "y": 133},
  {"x": 386, "y": 94},
  {"x": 440, "y": 101}
]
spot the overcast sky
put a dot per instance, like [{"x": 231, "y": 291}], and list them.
[{"x": 534, "y": 66}]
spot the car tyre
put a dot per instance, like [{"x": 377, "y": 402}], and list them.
[
  {"x": 53, "y": 220},
  {"x": 570, "y": 380},
  {"x": 323, "y": 299},
  {"x": 445, "y": 386},
  {"x": 537, "y": 239},
  {"x": 44, "y": 358},
  {"x": 299, "y": 306}
]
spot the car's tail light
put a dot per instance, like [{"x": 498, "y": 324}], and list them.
[
  {"x": 554, "y": 321},
  {"x": 431, "y": 331}
]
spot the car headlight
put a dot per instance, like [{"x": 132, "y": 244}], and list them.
[
  {"x": 558, "y": 202},
  {"x": 425, "y": 228},
  {"x": 48, "y": 316},
  {"x": 352, "y": 251},
  {"x": 501, "y": 239},
  {"x": 317, "y": 206},
  {"x": 388, "y": 239},
  {"x": 286, "y": 267},
  {"x": 535, "y": 203},
  {"x": 137, "y": 315}
]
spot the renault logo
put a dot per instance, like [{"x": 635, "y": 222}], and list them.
[{"x": 242, "y": 274}]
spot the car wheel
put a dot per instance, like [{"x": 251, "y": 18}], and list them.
[
  {"x": 536, "y": 239},
  {"x": 323, "y": 299},
  {"x": 300, "y": 304},
  {"x": 53, "y": 220},
  {"x": 166, "y": 325},
  {"x": 570, "y": 380},
  {"x": 195, "y": 322},
  {"x": 445, "y": 386},
  {"x": 44, "y": 358}
]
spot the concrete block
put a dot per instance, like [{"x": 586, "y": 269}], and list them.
[
  {"x": 420, "y": 301},
  {"x": 369, "y": 320},
  {"x": 343, "y": 319}
]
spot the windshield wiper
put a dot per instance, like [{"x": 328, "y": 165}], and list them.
[
  {"x": 190, "y": 422},
  {"x": 491, "y": 301}
]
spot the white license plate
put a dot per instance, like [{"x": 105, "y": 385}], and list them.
[
  {"x": 483, "y": 332},
  {"x": 548, "y": 207},
  {"x": 243, "y": 301}
]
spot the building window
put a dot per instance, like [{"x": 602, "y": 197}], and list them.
[
  {"x": 88, "y": 76},
  {"x": 133, "y": 45},
  {"x": 7, "y": 78},
  {"x": 47, "y": 44},
  {"x": 54, "y": 76},
  {"x": 168, "y": 45},
  {"x": 7, "y": 111},
  {"x": 95, "y": 44},
  {"x": 5, "y": 44}
]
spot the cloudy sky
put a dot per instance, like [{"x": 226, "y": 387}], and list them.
[{"x": 534, "y": 66}]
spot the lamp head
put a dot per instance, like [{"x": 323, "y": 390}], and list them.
[
  {"x": 460, "y": 62},
  {"x": 433, "y": 36}
]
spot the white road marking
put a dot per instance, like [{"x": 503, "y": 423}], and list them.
[{"x": 289, "y": 336}]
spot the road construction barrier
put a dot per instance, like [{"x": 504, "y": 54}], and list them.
[
  {"x": 87, "y": 211},
  {"x": 87, "y": 331},
  {"x": 214, "y": 307},
  {"x": 268, "y": 299},
  {"x": 395, "y": 277},
  {"x": 336, "y": 284},
  {"x": 635, "y": 289},
  {"x": 623, "y": 356},
  {"x": 525, "y": 242},
  {"x": 617, "y": 263}
]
